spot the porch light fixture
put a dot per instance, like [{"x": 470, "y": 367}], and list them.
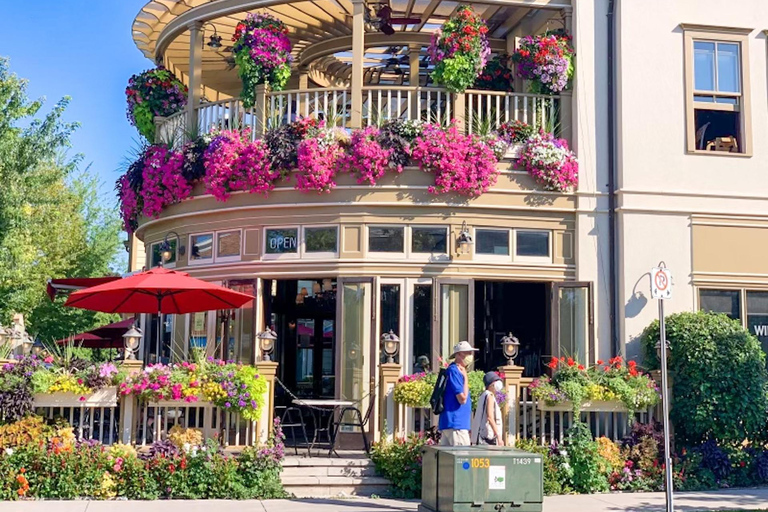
[
  {"x": 267, "y": 343},
  {"x": 166, "y": 251},
  {"x": 131, "y": 341},
  {"x": 658, "y": 349},
  {"x": 38, "y": 347},
  {"x": 464, "y": 240},
  {"x": 27, "y": 345},
  {"x": 511, "y": 347},
  {"x": 391, "y": 345},
  {"x": 214, "y": 41}
]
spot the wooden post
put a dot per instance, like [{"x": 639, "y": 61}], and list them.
[
  {"x": 303, "y": 88},
  {"x": 261, "y": 109},
  {"x": 267, "y": 370},
  {"x": 159, "y": 120},
  {"x": 128, "y": 405},
  {"x": 389, "y": 413},
  {"x": 512, "y": 376},
  {"x": 459, "y": 111},
  {"x": 565, "y": 117},
  {"x": 358, "y": 52},
  {"x": 195, "y": 73}
]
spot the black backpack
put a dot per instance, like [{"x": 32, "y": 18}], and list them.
[{"x": 436, "y": 402}]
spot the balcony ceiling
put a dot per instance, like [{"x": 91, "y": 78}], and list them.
[{"x": 160, "y": 29}]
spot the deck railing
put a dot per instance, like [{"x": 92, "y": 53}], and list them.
[{"x": 475, "y": 111}]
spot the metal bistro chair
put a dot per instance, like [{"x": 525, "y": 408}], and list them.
[
  {"x": 361, "y": 422},
  {"x": 293, "y": 419}
]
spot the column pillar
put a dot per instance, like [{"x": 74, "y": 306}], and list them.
[
  {"x": 358, "y": 52},
  {"x": 128, "y": 405},
  {"x": 195, "y": 73},
  {"x": 389, "y": 411},
  {"x": 512, "y": 375},
  {"x": 414, "y": 51},
  {"x": 268, "y": 371},
  {"x": 260, "y": 109},
  {"x": 302, "y": 97}
]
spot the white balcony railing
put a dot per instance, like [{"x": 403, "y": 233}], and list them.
[{"x": 477, "y": 111}]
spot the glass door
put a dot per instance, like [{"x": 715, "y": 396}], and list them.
[
  {"x": 455, "y": 306},
  {"x": 573, "y": 321},
  {"x": 356, "y": 350},
  {"x": 315, "y": 376}
]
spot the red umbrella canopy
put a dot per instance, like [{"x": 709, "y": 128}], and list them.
[
  {"x": 158, "y": 290},
  {"x": 90, "y": 340}
]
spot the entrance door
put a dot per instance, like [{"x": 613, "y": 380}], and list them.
[
  {"x": 356, "y": 351},
  {"x": 315, "y": 377},
  {"x": 454, "y": 314},
  {"x": 573, "y": 322}
]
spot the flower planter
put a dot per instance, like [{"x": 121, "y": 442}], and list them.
[
  {"x": 106, "y": 397},
  {"x": 593, "y": 406},
  {"x": 513, "y": 151}
]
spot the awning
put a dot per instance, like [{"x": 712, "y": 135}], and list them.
[
  {"x": 106, "y": 336},
  {"x": 56, "y": 286}
]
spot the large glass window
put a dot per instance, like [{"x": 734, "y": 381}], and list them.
[
  {"x": 321, "y": 239},
  {"x": 429, "y": 240},
  {"x": 240, "y": 342},
  {"x": 721, "y": 301},
  {"x": 386, "y": 239},
  {"x": 282, "y": 241},
  {"x": 532, "y": 243},
  {"x": 422, "y": 328},
  {"x": 492, "y": 241}
]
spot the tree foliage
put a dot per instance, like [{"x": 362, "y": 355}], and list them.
[
  {"x": 719, "y": 379},
  {"x": 52, "y": 222}
]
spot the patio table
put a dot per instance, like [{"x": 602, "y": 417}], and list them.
[{"x": 322, "y": 405}]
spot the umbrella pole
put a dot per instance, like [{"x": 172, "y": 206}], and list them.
[{"x": 159, "y": 328}]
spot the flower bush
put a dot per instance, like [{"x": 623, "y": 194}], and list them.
[
  {"x": 235, "y": 163},
  {"x": 156, "y": 92},
  {"x": 283, "y": 143},
  {"x": 459, "y": 50},
  {"x": 262, "y": 53},
  {"x": 497, "y": 74},
  {"x": 365, "y": 158},
  {"x": 52, "y": 468},
  {"x": 463, "y": 164},
  {"x": 162, "y": 181},
  {"x": 551, "y": 163},
  {"x": 318, "y": 159},
  {"x": 546, "y": 61},
  {"x": 400, "y": 462},
  {"x": 515, "y": 132},
  {"x": 234, "y": 387},
  {"x": 415, "y": 390},
  {"x": 612, "y": 381}
]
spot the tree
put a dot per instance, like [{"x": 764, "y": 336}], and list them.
[{"x": 52, "y": 222}]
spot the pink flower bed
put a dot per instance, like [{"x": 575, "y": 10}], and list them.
[
  {"x": 317, "y": 165},
  {"x": 162, "y": 181},
  {"x": 365, "y": 158}
]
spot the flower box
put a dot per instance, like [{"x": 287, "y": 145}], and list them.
[
  {"x": 514, "y": 150},
  {"x": 106, "y": 397},
  {"x": 592, "y": 406}
]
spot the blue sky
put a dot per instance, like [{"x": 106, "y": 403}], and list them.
[{"x": 82, "y": 49}]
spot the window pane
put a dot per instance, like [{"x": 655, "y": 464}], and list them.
[
  {"x": 321, "y": 239},
  {"x": 574, "y": 323},
  {"x": 282, "y": 241},
  {"x": 757, "y": 316},
  {"x": 492, "y": 242},
  {"x": 454, "y": 317},
  {"x": 355, "y": 344},
  {"x": 202, "y": 247},
  {"x": 198, "y": 331},
  {"x": 386, "y": 239},
  {"x": 728, "y": 67},
  {"x": 532, "y": 243},
  {"x": 721, "y": 301},
  {"x": 390, "y": 312},
  {"x": 704, "y": 66},
  {"x": 422, "y": 328},
  {"x": 229, "y": 244},
  {"x": 430, "y": 240}
]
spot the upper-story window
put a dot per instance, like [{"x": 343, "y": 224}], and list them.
[
  {"x": 215, "y": 247},
  {"x": 390, "y": 239},
  {"x": 157, "y": 250},
  {"x": 717, "y": 90}
]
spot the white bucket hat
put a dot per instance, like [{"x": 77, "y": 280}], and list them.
[{"x": 462, "y": 346}]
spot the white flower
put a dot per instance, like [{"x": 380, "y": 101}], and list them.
[
  {"x": 9, "y": 451},
  {"x": 186, "y": 447}
]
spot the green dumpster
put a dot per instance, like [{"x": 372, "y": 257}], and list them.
[{"x": 481, "y": 479}]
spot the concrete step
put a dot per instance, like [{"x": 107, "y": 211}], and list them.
[
  {"x": 322, "y": 477},
  {"x": 329, "y": 471}
]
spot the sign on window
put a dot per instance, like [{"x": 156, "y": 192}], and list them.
[{"x": 282, "y": 241}]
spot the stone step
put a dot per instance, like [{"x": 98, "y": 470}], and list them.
[
  {"x": 323, "y": 487},
  {"x": 325, "y": 462},
  {"x": 329, "y": 471}
]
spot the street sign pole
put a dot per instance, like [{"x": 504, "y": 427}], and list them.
[{"x": 661, "y": 289}]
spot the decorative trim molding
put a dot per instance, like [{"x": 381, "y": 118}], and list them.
[{"x": 693, "y": 27}]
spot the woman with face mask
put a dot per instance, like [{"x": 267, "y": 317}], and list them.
[{"x": 487, "y": 422}]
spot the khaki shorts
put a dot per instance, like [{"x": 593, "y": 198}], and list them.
[{"x": 451, "y": 437}]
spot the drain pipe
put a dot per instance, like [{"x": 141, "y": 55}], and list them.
[{"x": 612, "y": 267}]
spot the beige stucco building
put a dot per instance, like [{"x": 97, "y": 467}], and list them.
[{"x": 566, "y": 273}]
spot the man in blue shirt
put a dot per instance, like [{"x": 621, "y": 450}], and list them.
[{"x": 456, "y": 418}]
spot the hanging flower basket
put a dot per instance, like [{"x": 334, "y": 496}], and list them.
[
  {"x": 459, "y": 50},
  {"x": 262, "y": 54},
  {"x": 156, "y": 92},
  {"x": 546, "y": 62},
  {"x": 550, "y": 162}
]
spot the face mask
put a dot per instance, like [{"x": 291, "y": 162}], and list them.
[
  {"x": 468, "y": 360},
  {"x": 497, "y": 386}
]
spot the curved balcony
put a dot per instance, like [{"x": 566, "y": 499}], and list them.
[{"x": 476, "y": 112}]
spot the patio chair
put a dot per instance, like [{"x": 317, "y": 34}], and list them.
[
  {"x": 358, "y": 420},
  {"x": 293, "y": 419}
]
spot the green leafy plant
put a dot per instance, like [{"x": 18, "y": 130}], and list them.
[
  {"x": 719, "y": 378},
  {"x": 400, "y": 462},
  {"x": 585, "y": 458}
]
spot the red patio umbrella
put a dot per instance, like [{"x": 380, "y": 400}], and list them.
[
  {"x": 160, "y": 291},
  {"x": 106, "y": 336}
]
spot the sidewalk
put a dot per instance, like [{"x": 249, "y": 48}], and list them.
[{"x": 741, "y": 499}]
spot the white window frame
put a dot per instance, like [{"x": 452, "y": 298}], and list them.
[
  {"x": 162, "y": 263},
  {"x": 492, "y": 257},
  {"x": 387, "y": 255},
  {"x": 202, "y": 261},
  {"x": 227, "y": 259},
  {"x": 285, "y": 256},
  {"x": 429, "y": 257},
  {"x": 532, "y": 259},
  {"x": 304, "y": 253}
]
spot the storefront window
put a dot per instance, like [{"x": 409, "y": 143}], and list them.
[
  {"x": 429, "y": 240},
  {"x": 282, "y": 241},
  {"x": 158, "y": 350},
  {"x": 422, "y": 328},
  {"x": 321, "y": 239},
  {"x": 757, "y": 316},
  {"x": 721, "y": 301},
  {"x": 198, "y": 331},
  {"x": 386, "y": 239},
  {"x": 241, "y": 332},
  {"x": 492, "y": 241},
  {"x": 454, "y": 321}
]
